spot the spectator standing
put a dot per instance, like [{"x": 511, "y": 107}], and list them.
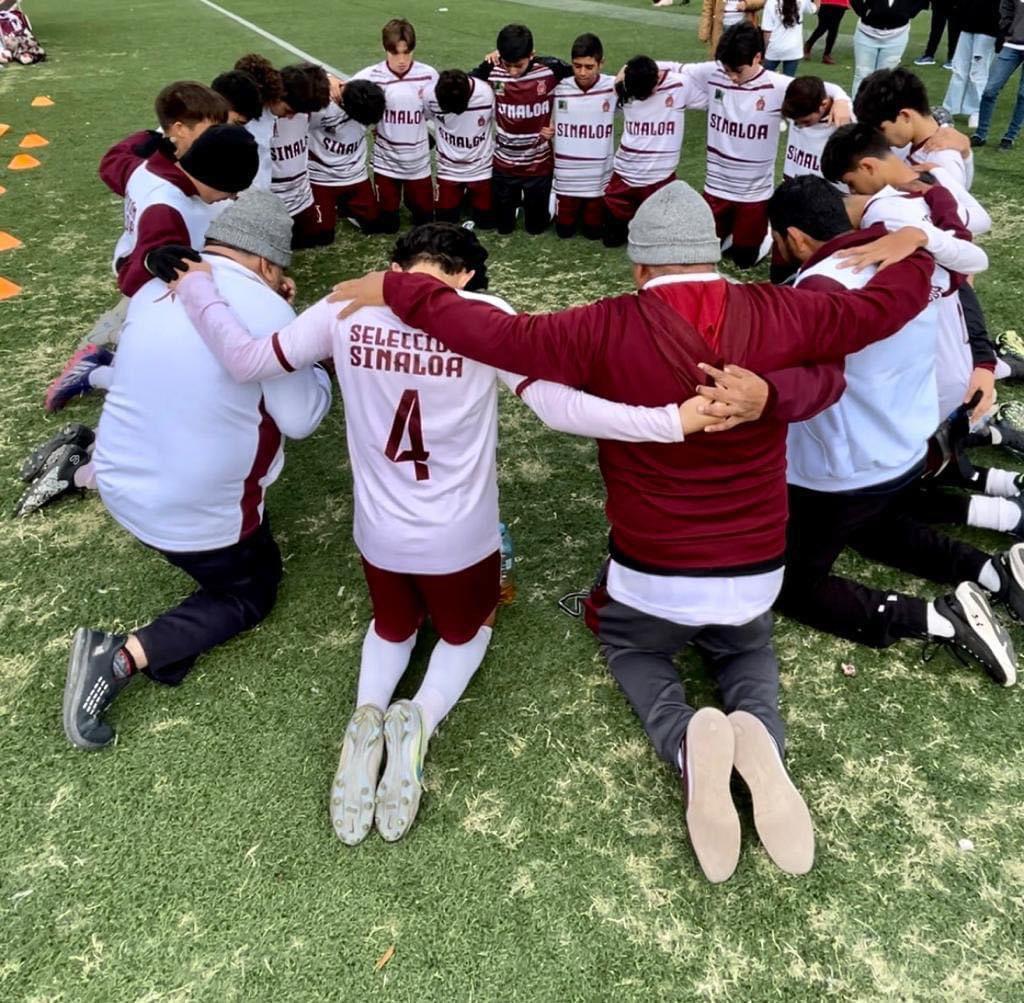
[
  {"x": 942, "y": 15},
  {"x": 1010, "y": 46},
  {"x": 882, "y": 35},
  {"x": 830, "y": 15},
  {"x": 783, "y": 26},
  {"x": 977, "y": 24}
]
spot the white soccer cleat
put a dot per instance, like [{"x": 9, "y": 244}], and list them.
[
  {"x": 355, "y": 783},
  {"x": 400, "y": 788}
]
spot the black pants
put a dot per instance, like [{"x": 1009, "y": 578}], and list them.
[
  {"x": 640, "y": 650},
  {"x": 829, "y": 16},
  {"x": 941, "y": 10},
  {"x": 237, "y": 589},
  {"x": 883, "y": 524},
  {"x": 533, "y": 194}
]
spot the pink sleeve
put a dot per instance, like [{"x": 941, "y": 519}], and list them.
[{"x": 306, "y": 340}]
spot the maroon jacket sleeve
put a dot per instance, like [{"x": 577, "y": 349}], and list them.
[
  {"x": 799, "y": 393},
  {"x": 791, "y": 327},
  {"x": 119, "y": 161},
  {"x": 157, "y": 226},
  {"x": 556, "y": 346}
]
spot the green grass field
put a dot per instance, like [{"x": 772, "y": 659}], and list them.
[{"x": 194, "y": 860}]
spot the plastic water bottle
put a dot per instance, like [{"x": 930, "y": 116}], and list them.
[{"x": 508, "y": 566}]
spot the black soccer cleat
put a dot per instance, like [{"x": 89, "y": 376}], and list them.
[
  {"x": 1013, "y": 362},
  {"x": 978, "y": 634},
  {"x": 70, "y": 435},
  {"x": 1006, "y": 433},
  {"x": 90, "y": 687},
  {"x": 56, "y": 479},
  {"x": 1009, "y": 566}
]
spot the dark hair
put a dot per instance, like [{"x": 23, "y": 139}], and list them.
[
  {"x": 850, "y": 144},
  {"x": 587, "y": 46},
  {"x": 241, "y": 92},
  {"x": 306, "y": 87},
  {"x": 453, "y": 91},
  {"x": 395, "y": 31},
  {"x": 804, "y": 96},
  {"x": 515, "y": 42},
  {"x": 739, "y": 45},
  {"x": 885, "y": 93},
  {"x": 190, "y": 102},
  {"x": 639, "y": 79},
  {"x": 267, "y": 78},
  {"x": 449, "y": 246},
  {"x": 810, "y": 204},
  {"x": 363, "y": 101},
  {"x": 790, "y": 12}
]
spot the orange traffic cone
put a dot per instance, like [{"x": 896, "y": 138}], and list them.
[
  {"x": 32, "y": 140},
  {"x": 22, "y": 162},
  {"x": 8, "y": 242},
  {"x": 2, "y": 189},
  {"x": 42, "y": 102},
  {"x": 8, "y": 288},
  {"x": 3, "y": 128}
]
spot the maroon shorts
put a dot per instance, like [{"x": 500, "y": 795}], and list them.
[
  {"x": 418, "y": 195},
  {"x": 308, "y": 228},
  {"x": 746, "y": 221},
  {"x": 622, "y": 200},
  {"x": 357, "y": 201},
  {"x": 572, "y": 211},
  {"x": 451, "y": 195},
  {"x": 458, "y": 604}
]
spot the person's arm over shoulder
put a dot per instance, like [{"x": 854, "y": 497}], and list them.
[
  {"x": 307, "y": 339},
  {"x": 801, "y": 392},
  {"x": 557, "y": 346},
  {"x": 158, "y": 226},
  {"x": 559, "y": 67},
  {"x": 483, "y": 71},
  {"x": 119, "y": 162}
]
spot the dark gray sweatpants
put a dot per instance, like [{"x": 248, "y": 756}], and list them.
[{"x": 640, "y": 650}]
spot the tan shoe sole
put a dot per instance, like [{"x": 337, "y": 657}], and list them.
[
  {"x": 711, "y": 817},
  {"x": 780, "y": 814}
]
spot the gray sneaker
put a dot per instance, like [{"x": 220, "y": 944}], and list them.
[
  {"x": 355, "y": 783},
  {"x": 398, "y": 794}
]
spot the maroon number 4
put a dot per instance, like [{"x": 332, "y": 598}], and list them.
[{"x": 407, "y": 418}]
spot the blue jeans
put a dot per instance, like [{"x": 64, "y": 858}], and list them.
[
  {"x": 788, "y": 65},
  {"x": 971, "y": 63},
  {"x": 870, "y": 54},
  {"x": 1002, "y": 69}
]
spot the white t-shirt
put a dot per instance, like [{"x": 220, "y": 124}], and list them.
[
  {"x": 337, "y": 148},
  {"x": 785, "y": 43},
  {"x": 584, "y": 141},
  {"x": 183, "y": 453},
  {"x": 289, "y": 154},
  {"x": 465, "y": 143},
  {"x": 402, "y": 147},
  {"x": 262, "y": 130}
]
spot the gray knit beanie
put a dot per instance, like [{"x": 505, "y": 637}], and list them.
[
  {"x": 674, "y": 227},
  {"x": 258, "y": 223}
]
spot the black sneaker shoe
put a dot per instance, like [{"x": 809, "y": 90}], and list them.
[
  {"x": 1005, "y": 432},
  {"x": 977, "y": 141},
  {"x": 978, "y": 634},
  {"x": 1005, "y": 144},
  {"x": 90, "y": 687},
  {"x": 1009, "y": 566},
  {"x": 1014, "y": 362},
  {"x": 70, "y": 435},
  {"x": 56, "y": 479}
]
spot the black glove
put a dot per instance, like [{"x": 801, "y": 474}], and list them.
[{"x": 165, "y": 262}]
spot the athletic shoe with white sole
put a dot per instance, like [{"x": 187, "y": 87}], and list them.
[
  {"x": 90, "y": 687},
  {"x": 400, "y": 787},
  {"x": 56, "y": 479},
  {"x": 977, "y": 633},
  {"x": 70, "y": 435},
  {"x": 1009, "y": 566},
  {"x": 1005, "y": 432},
  {"x": 355, "y": 783},
  {"x": 711, "y": 818},
  {"x": 780, "y": 814},
  {"x": 74, "y": 378}
]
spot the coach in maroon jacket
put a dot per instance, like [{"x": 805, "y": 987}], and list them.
[{"x": 698, "y": 529}]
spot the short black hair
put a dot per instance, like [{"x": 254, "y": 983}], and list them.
[
  {"x": 242, "y": 93},
  {"x": 885, "y": 93},
  {"x": 363, "y": 101},
  {"x": 848, "y": 145},
  {"x": 515, "y": 42},
  {"x": 810, "y": 204},
  {"x": 639, "y": 79},
  {"x": 453, "y": 91},
  {"x": 739, "y": 45},
  {"x": 804, "y": 96},
  {"x": 451, "y": 247},
  {"x": 306, "y": 87},
  {"x": 587, "y": 46}
]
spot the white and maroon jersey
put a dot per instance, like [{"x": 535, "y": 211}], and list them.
[
  {"x": 465, "y": 143},
  {"x": 183, "y": 452},
  {"x": 523, "y": 107},
  {"x": 402, "y": 145},
  {"x": 337, "y": 148},
  {"x": 289, "y": 156},
  {"x": 961, "y": 170},
  {"x": 652, "y": 130},
  {"x": 262, "y": 130},
  {"x": 584, "y": 137}
]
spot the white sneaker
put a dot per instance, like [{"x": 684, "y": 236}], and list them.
[
  {"x": 662, "y": 3},
  {"x": 972, "y": 121},
  {"x": 765, "y": 249},
  {"x": 399, "y": 790},
  {"x": 355, "y": 783}
]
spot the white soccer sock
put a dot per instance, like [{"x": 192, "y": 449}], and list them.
[
  {"x": 938, "y": 625},
  {"x": 451, "y": 668},
  {"x": 101, "y": 377},
  {"x": 383, "y": 665},
  {"x": 988, "y": 577},
  {"x": 1002, "y": 483},
  {"x": 1000, "y": 514}
]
